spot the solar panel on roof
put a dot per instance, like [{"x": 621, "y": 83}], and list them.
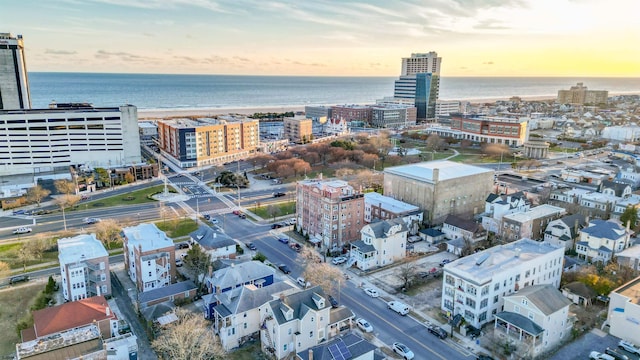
[
  {"x": 343, "y": 349},
  {"x": 339, "y": 350}
]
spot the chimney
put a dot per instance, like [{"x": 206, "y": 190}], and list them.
[
  {"x": 435, "y": 175},
  {"x": 107, "y": 311}
]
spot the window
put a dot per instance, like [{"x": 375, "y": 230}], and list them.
[
  {"x": 484, "y": 303},
  {"x": 310, "y": 334},
  {"x": 284, "y": 347},
  {"x": 495, "y": 299},
  {"x": 525, "y": 302},
  {"x": 496, "y": 287}
]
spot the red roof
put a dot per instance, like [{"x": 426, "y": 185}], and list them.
[{"x": 71, "y": 315}]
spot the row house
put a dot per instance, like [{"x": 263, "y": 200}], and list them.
[
  {"x": 149, "y": 256},
  {"x": 579, "y": 176},
  {"x": 601, "y": 240},
  {"x": 565, "y": 231},
  {"x": 475, "y": 286},
  {"x": 630, "y": 176},
  {"x": 380, "y": 207},
  {"x": 617, "y": 189},
  {"x": 598, "y": 204},
  {"x": 462, "y": 234},
  {"x": 531, "y": 223},
  {"x": 330, "y": 212},
  {"x": 537, "y": 317},
  {"x": 383, "y": 243},
  {"x": 496, "y": 206},
  {"x": 84, "y": 267},
  {"x": 632, "y": 200},
  {"x": 564, "y": 196},
  {"x": 238, "y": 275}
]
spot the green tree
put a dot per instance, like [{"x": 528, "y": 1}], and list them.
[
  {"x": 630, "y": 215},
  {"x": 259, "y": 257}
]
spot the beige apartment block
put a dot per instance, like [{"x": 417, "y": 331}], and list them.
[{"x": 298, "y": 129}]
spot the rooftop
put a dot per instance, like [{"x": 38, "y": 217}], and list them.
[
  {"x": 61, "y": 340},
  {"x": 388, "y": 203},
  {"x": 80, "y": 248},
  {"x": 480, "y": 267},
  {"x": 604, "y": 229},
  {"x": 545, "y": 298},
  {"x": 187, "y": 123},
  {"x": 147, "y": 236},
  {"x": 630, "y": 290},
  {"x": 536, "y": 213},
  {"x": 447, "y": 170}
]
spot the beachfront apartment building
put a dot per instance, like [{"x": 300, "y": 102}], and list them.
[
  {"x": 579, "y": 94},
  {"x": 14, "y": 82},
  {"x": 511, "y": 131},
  {"x": 393, "y": 115},
  {"x": 149, "y": 257},
  {"x": 623, "y": 316},
  {"x": 84, "y": 267},
  {"x": 41, "y": 141},
  {"x": 475, "y": 286},
  {"x": 191, "y": 142},
  {"x": 440, "y": 188},
  {"x": 529, "y": 224},
  {"x": 298, "y": 129},
  {"x": 330, "y": 212}
]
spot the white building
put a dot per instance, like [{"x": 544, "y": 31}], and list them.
[
  {"x": 564, "y": 231},
  {"x": 629, "y": 133},
  {"x": 474, "y": 286},
  {"x": 294, "y": 322},
  {"x": 497, "y": 206},
  {"x": 537, "y": 317},
  {"x": 383, "y": 243},
  {"x": 447, "y": 107},
  {"x": 630, "y": 257},
  {"x": 623, "y": 316},
  {"x": 601, "y": 239},
  {"x": 84, "y": 267},
  {"x": 380, "y": 207},
  {"x": 213, "y": 242},
  {"x": 14, "y": 84},
  {"x": 45, "y": 140},
  {"x": 149, "y": 257}
]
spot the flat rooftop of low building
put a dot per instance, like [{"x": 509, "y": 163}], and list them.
[
  {"x": 631, "y": 290},
  {"x": 80, "y": 248},
  {"x": 536, "y": 213},
  {"x": 447, "y": 170},
  {"x": 147, "y": 236},
  {"x": 389, "y": 204}
]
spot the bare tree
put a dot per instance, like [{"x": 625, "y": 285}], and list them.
[
  {"x": 261, "y": 160},
  {"x": 25, "y": 255},
  {"x": 65, "y": 187},
  {"x": 310, "y": 255},
  {"x": 37, "y": 193},
  {"x": 66, "y": 201},
  {"x": 36, "y": 247},
  {"x": 188, "y": 338},
  {"x": 108, "y": 232},
  {"x": 406, "y": 273},
  {"x": 273, "y": 211},
  {"x": 328, "y": 277},
  {"x": 434, "y": 142},
  {"x": 5, "y": 269}
]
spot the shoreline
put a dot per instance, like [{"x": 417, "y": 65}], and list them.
[{"x": 150, "y": 114}]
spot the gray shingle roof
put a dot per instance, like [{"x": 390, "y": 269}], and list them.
[
  {"x": 210, "y": 239},
  {"x": 544, "y": 297},
  {"x": 521, "y": 322},
  {"x": 300, "y": 302},
  {"x": 339, "y": 314},
  {"x": 165, "y": 291},
  {"x": 362, "y": 247},
  {"x": 604, "y": 229},
  {"x": 581, "y": 289},
  {"x": 570, "y": 221},
  {"x": 468, "y": 225},
  {"x": 380, "y": 228},
  {"x": 242, "y": 273},
  {"x": 245, "y": 298}
]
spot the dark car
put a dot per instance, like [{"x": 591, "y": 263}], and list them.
[
  {"x": 18, "y": 212},
  {"x": 484, "y": 357},
  {"x": 283, "y": 240},
  {"x": 207, "y": 217},
  {"x": 18, "y": 279},
  {"x": 616, "y": 355},
  {"x": 279, "y": 194},
  {"x": 284, "y": 268},
  {"x": 333, "y": 302},
  {"x": 473, "y": 331},
  {"x": 276, "y": 226},
  {"x": 182, "y": 245},
  {"x": 242, "y": 216},
  {"x": 444, "y": 262},
  {"x": 438, "y": 331},
  {"x": 251, "y": 246},
  {"x": 296, "y": 247}
]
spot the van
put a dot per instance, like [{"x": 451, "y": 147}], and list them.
[{"x": 399, "y": 307}]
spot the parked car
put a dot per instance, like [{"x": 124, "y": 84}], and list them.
[
  {"x": 402, "y": 350},
  {"x": 296, "y": 247},
  {"x": 371, "y": 292},
  {"x": 627, "y": 346},
  {"x": 22, "y": 230},
  {"x": 182, "y": 245},
  {"x": 600, "y": 356},
  {"x": 616, "y": 355},
  {"x": 213, "y": 220},
  {"x": 283, "y": 240},
  {"x": 251, "y": 246},
  {"x": 207, "y": 217},
  {"x": 333, "y": 302},
  {"x": 364, "y": 325},
  {"x": 242, "y": 216},
  {"x": 339, "y": 260},
  {"x": 472, "y": 331},
  {"x": 91, "y": 220},
  {"x": 484, "y": 357},
  {"x": 302, "y": 282},
  {"x": 437, "y": 331},
  {"x": 279, "y": 194},
  {"x": 236, "y": 212},
  {"x": 179, "y": 262},
  {"x": 444, "y": 262},
  {"x": 18, "y": 279},
  {"x": 399, "y": 307},
  {"x": 18, "y": 212},
  {"x": 276, "y": 226},
  {"x": 292, "y": 221},
  {"x": 284, "y": 268}
]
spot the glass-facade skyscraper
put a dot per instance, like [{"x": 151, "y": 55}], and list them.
[{"x": 420, "y": 81}]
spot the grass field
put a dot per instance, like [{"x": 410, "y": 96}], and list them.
[
  {"x": 14, "y": 304},
  {"x": 284, "y": 208},
  {"x": 177, "y": 227},
  {"x": 134, "y": 197}
]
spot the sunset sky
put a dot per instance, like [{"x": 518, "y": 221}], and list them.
[{"x": 328, "y": 37}]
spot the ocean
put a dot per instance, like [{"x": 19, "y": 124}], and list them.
[{"x": 162, "y": 91}]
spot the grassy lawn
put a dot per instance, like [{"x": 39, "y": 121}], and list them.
[
  {"x": 14, "y": 304},
  {"x": 135, "y": 197},
  {"x": 249, "y": 351},
  {"x": 283, "y": 208},
  {"x": 177, "y": 227}
]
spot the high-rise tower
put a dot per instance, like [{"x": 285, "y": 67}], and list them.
[
  {"x": 14, "y": 83},
  {"x": 420, "y": 80}
]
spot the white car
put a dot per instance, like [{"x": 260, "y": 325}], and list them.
[
  {"x": 339, "y": 260},
  {"x": 22, "y": 230},
  {"x": 364, "y": 325},
  {"x": 627, "y": 346},
  {"x": 594, "y": 355},
  {"x": 402, "y": 350},
  {"x": 372, "y": 292},
  {"x": 91, "y": 220}
]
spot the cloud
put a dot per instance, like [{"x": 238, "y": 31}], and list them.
[
  {"x": 60, "y": 52},
  {"x": 122, "y": 56},
  {"x": 308, "y": 64},
  {"x": 243, "y": 59},
  {"x": 490, "y": 24},
  {"x": 166, "y": 4},
  {"x": 487, "y": 63}
]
